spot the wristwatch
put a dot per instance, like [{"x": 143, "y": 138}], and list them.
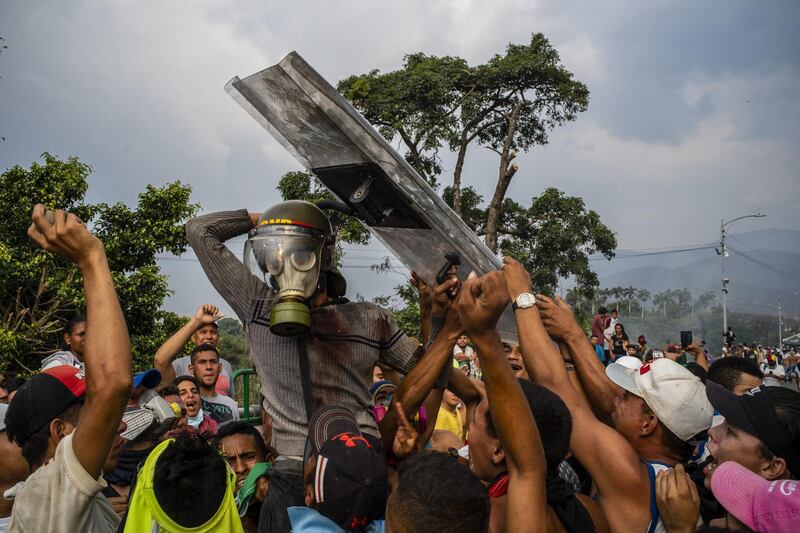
[{"x": 524, "y": 301}]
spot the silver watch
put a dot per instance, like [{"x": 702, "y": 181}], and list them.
[{"x": 524, "y": 301}]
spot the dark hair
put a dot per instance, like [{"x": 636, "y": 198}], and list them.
[
  {"x": 602, "y": 310},
  {"x": 35, "y": 446},
  {"x": 697, "y": 370},
  {"x": 786, "y": 403},
  {"x": 552, "y": 417},
  {"x": 425, "y": 495},
  {"x": 180, "y": 379},
  {"x": 241, "y": 428},
  {"x": 74, "y": 321},
  {"x": 201, "y": 349},
  {"x": 624, "y": 335},
  {"x": 190, "y": 480},
  {"x": 669, "y": 440},
  {"x": 728, "y": 371},
  {"x": 169, "y": 390}
]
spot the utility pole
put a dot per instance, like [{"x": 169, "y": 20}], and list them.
[
  {"x": 723, "y": 252},
  {"x": 780, "y": 328}
]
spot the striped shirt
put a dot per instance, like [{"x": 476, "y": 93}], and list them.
[{"x": 346, "y": 340}]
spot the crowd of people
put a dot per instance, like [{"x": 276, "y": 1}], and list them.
[{"x": 366, "y": 429}]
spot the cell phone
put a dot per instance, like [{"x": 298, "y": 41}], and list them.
[{"x": 686, "y": 339}]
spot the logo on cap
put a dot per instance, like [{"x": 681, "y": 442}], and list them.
[{"x": 644, "y": 369}]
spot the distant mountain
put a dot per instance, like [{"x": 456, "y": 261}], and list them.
[{"x": 764, "y": 268}]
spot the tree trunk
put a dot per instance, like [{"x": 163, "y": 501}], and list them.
[
  {"x": 506, "y": 172},
  {"x": 462, "y": 152}
]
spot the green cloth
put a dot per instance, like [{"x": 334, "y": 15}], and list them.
[{"x": 144, "y": 509}]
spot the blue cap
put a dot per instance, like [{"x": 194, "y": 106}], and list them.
[{"x": 149, "y": 379}]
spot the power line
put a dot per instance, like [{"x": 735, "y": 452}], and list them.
[
  {"x": 765, "y": 265},
  {"x": 780, "y": 265}
]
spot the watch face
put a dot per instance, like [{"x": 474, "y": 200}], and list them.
[{"x": 525, "y": 300}]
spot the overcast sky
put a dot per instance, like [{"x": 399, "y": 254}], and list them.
[{"x": 694, "y": 113}]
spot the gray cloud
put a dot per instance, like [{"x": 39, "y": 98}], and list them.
[{"x": 670, "y": 144}]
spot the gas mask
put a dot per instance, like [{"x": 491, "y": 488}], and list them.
[
  {"x": 292, "y": 244},
  {"x": 153, "y": 417}
]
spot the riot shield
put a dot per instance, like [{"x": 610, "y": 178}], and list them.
[{"x": 331, "y": 139}]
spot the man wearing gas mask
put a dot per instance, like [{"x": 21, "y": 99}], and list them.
[{"x": 309, "y": 345}]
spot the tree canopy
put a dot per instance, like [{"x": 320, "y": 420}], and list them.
[{"x": 39, "y": 291}]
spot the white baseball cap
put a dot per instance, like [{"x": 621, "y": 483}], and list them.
[
  {"x": 675, "y": 395},
  {"x": 634, "y": 363}
]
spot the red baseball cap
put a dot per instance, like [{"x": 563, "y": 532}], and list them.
[{"x": 42, "y": 398}]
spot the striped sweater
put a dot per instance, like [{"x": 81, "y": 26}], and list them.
[{"x": 346, "y": 342}]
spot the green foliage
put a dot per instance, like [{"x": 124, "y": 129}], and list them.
[
  {"x": 419, "y": 103},
  {"x": 39, "y": 291},
  {"x": 554, "y": 237},
  {"x": 232, "y": 343}
]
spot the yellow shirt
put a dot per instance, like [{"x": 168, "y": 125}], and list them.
[{"x": 450, "y": 422}]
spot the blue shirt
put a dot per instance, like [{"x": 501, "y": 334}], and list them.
[
  {"x": 601, "y": 353},
  {"x": 308, "y": 520}
]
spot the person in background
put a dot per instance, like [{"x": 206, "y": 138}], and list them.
[
  {"x": 730, "y": 337},
  {"x": 172, "y": 395},
  {"x": 202, "y": 328},
  {"x": 13, "y": 469},
  {"x": 632, "y": 350},
  {"x": 642, "y": 342},
  {"x": 774, "y": 373},
  {"x": 205, "y": 368},
  {"x": 598, "y": 349},
  {"x": 462, "y": 351},
  {"x": 600, "y": 322},
  {"x": 450, "y": 417},
  {"x": 618, "y": 342},
  {"x": 197, "y": 419},
  {"x": 244, "y": 450},
  {"x": 74, "y": 338},
  {"x": 736, "y": 374},
  {"x": 67, "y": 457}
]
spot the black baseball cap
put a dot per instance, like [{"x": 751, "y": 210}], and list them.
[
  {"x": 42, "y": 398},
  {"x": 752, "y": 412},
  {"x": 350, "y": 481}
]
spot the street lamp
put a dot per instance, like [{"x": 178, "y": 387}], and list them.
[{"x": 723, "y": 252}]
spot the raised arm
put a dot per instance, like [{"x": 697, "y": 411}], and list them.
[
  {"x": 612, "y": 462},
  {"x": 480, "y": 303},
  {"x": 699, "y": 355},
  {"x": 207, "y": 235},
  {"x": 107, "y": 354},
  {"x": 560, "y": 324},
  {"x": 167, "y": 352},
  {"x": 421, "y": 380}
]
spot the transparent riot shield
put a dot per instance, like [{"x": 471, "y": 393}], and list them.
[{"x": 332, "y": 140}]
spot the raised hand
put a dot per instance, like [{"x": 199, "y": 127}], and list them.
[
  {"x": 207, "y": 314},
  {"x": 424, "y": 290},
  {"x": 64, "y": 234},
  {"x": 677, "y": 499},
  {"x": 557, "y": 317},
  {"x": 481, "y": 301},
  {"x": 406, "y": 440},
  {"x": 517, "y": 278}
]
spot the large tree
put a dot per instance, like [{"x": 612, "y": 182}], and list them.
[
  {"x": 39, "y": 291},
  {"x": 509, "y": 104}
]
